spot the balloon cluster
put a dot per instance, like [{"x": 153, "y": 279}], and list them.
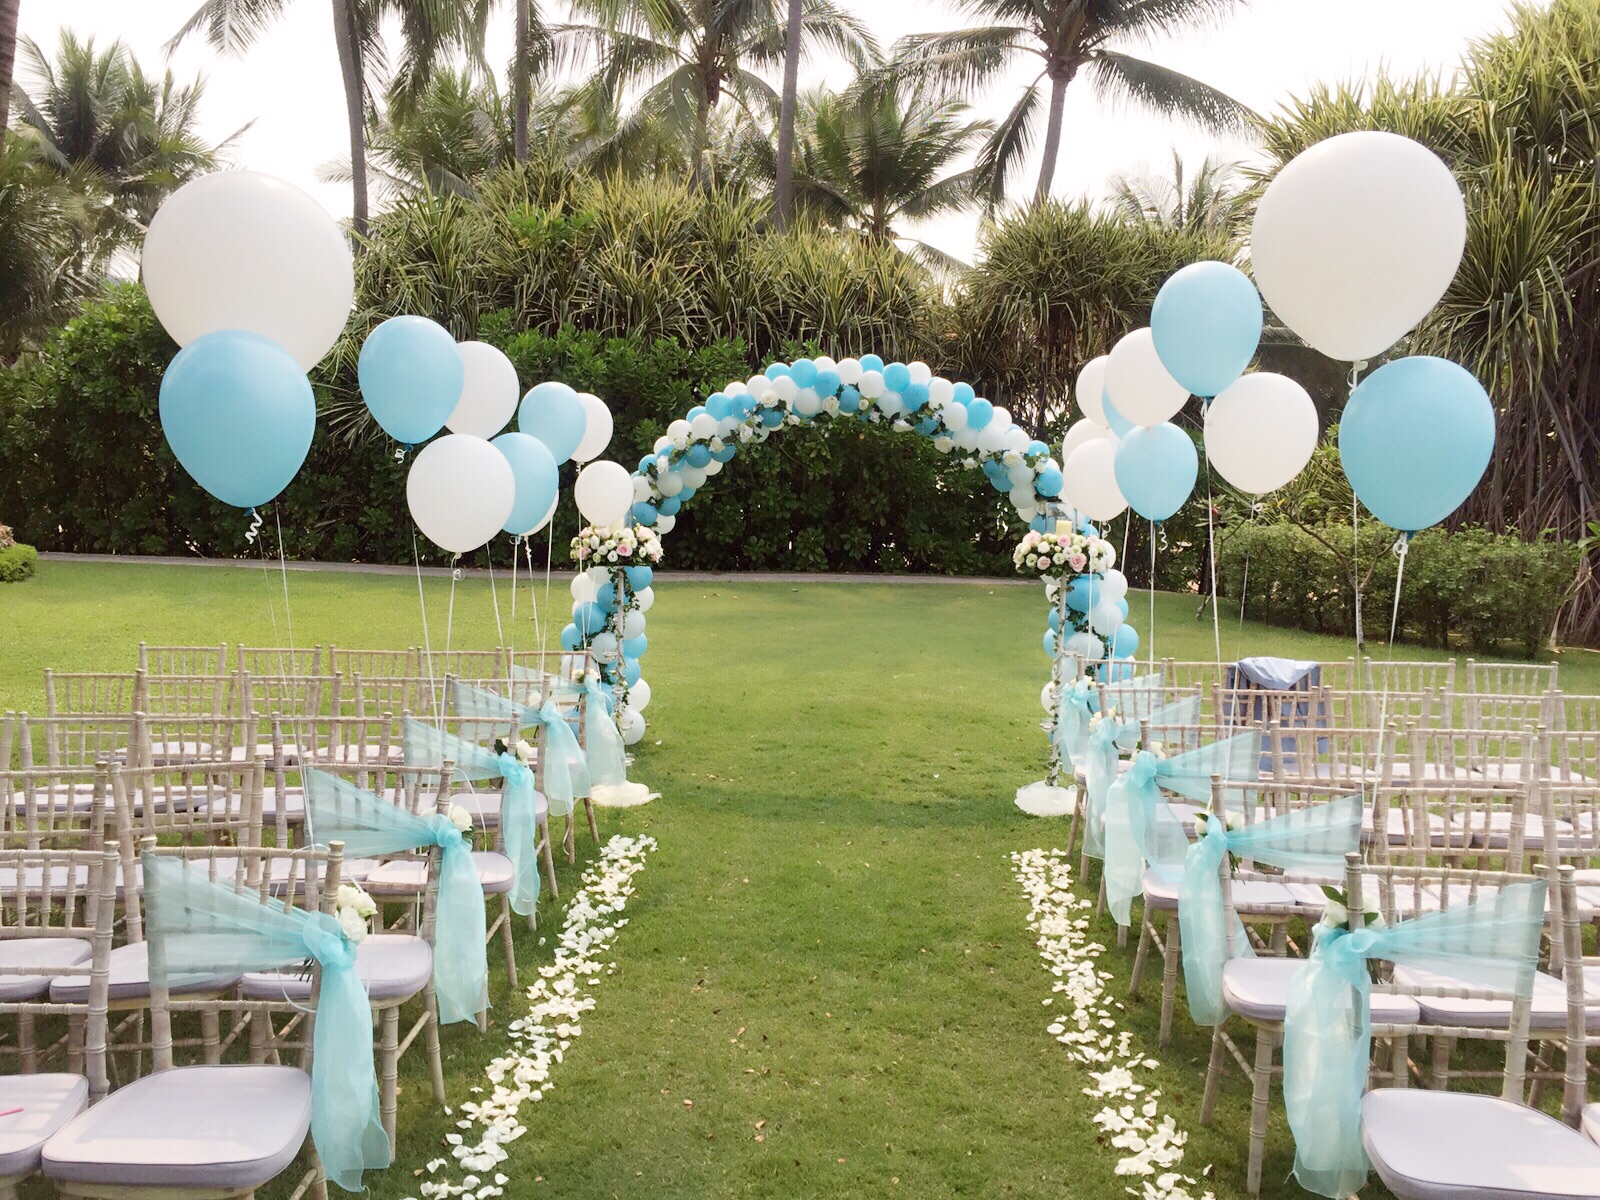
[
  {"x": 904, "y": 396},
  {"x": 1353, "y": 243},
  {"x": 1088, "y": 595},
  {"x": 254, "y": 282},
  {"x": 608, "y": 607}
]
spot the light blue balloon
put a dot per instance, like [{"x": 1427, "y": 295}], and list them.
[
  {"x": 1125, "y": 641},
  {"x": 897, "y": 377},
  {"x": 639, "y": 578},
  {"x": 1081, "y": 592},
  {"x": 1206, "y": 325},
  {"x": 588, "y": 618},
  {"x": 699, "y": 455},
  {"x": 239, "y": 414},
  {"x": 915, "y": 396},
  {"x": 1055, "y": 620},
  {"x": 1050, "y": 643},
  {"x": 964, "y": 395},
  {"x": 606, "y": 596},
  {"x": 776, "y": 370},
  {"x": 1120, "y": 425},
  {"x": 537, "y": 478},
  {"x": 1156, "y": 467},
  {"x": 871, "y": 362},
  {"x": 571, "y": 639},
  {"x": 668, "y": 506},
  {"x": 553, "y": 413},
  {"x": 635, "y": 647},
  {"x": 644, "y": 512},
  {"x": 631, "y": 672},
  {"x": 979, "y": 413},
  {"x": 826, "y": 383},
  {"x": 719, "y": 405},
  {"x": 1042, "y": 524},
  {"x": 726, "y": 454},
  {"x": 1048, "y": 481},
  {"x": 803, "y": 371},
  {"x": 1415, "y": 439},
  {"x": 1122, "y": 607},
  {"x": 695, "y": 412},
  {"x": 411, "y": 374}
]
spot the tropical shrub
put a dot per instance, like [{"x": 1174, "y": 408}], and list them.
[{"x": 17, "y": 562}]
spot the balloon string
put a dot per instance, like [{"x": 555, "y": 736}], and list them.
[
  {"x": 288, "y": 612},
  {"x": 500, "y": 633},
  {"x": 266, "y": 579},
  {"x": 1152, "y": 635},
  {"x": 255, "y": 527},
  {"x": 1355, "y": 528},
  {"x": 427, "y": 645},
  {"x": 450, "y": 612},
  {"x": 549, "y": 555},
  {"x": 533, "y": 597},
  {"x": 1211, "y": 555}
]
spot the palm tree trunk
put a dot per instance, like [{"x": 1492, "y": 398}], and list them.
[
  {"x": 521, "y": 85},
  {"x": 344, "y": 37},
  {"x": 8, "y": 58},
  {"x": 1052, "y": 137},
  {"x": 783, "y": 197}
]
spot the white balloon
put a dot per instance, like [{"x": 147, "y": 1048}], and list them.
[
  {"x": 735, "y": 387},
  {"x": 1020, "y": 474},
  {"x": 661, "y": 443},
  {"x": 646, "y": 599},
  {"x": 759, "y": 386},
  {"x": 1105, "y": 617},
  {"x": 1356, "y": 239},
  {"x": 582, "y": 587},
  {"x": 639, "y": 696},
  {"x": 940, "y": 391},
  {"x": 1089, "y": 480},
  {"x": 604, "y": 492},
  {"x": 241, "y": 250},
  {"x": 1139, "y": 385},
  {"x": 954, "y": 417},
  {"x": 596, "y": 429},
  {"x": 1046, "y": 701},
  {"x": 1113, "y": 586},
  {"x": 1086, "y": 646},
  {"x": 807, "y": 403},
  {"x": 1082, "y": 430},
  {"x": 1016, "y": 439},
  {"x": 460, "y": 490},
  {"x": 704, "y": 427},
  {"x": 992, "y": 437},
  {"x": 600, "y": 576},
  {"x": 849, "y": 371},
  {"x": 920, "y": 372},
  {"x": 823, "y": 363},
  {"x": 632, "y": 727},
  {"x": 641, "y": 490},
  {"x": 1260, "y": 431},
  {"x": 871, "y": 385},
  {"x": 545, "y": 520},
  {"x": 892, "y": 403},
  {"x": 785, "y": 389},
  {"x": 1022, "y": 496},
  {"x": 669, "y": 483},
  {"x": 1090, "y": 388},
  {"x": 633, "y": 624},
  {"x": 603, "y": 646},
  {"x": 967, "y": 438},
  {"x": 489, "y": 391},
  {"x": 713, "y": 467},
  {"x": 665, "y": 522},
  {"x": 679, "y": 432},
  {"x": 694, "y": 477}
]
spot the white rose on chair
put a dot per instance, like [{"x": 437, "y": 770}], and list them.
[
  {"x": 525, "y": 753},
  {"x": 354, "y": 908},
  {"x": 460, "y": 818}
]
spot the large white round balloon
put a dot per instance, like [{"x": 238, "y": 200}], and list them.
[
  {"x": 1113, "y": 585},
  {"x": 545, "y": 520},
  {"x": 604, "y": 492},
  {"x": 1356, "y": 239},
  {"x": 1260, "y": 431},
  {"x": 582, "y": 587},
  {"x": 489, "y": 391},
  {"x": 632, "y": 726},
  {"x": 1082, "y": 430},
  {"x": 1138, "y": 384},
  {"x": 241, "y": 250},
  {"x": 1089, "y": 388},
  {"x": 460, "y": 490},
  {"x": 639, "y": 696},
  {"x": 646, "y": 599},
  {"x": 597, "y": 429},
  {"x": 1090, "y": 480}
]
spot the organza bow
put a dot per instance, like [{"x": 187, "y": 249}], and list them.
[
  {"x": 1107, "y": 740},
  {"x": 426, "y": 746},
  {"x": 206, "y": 927},
  {"x": 368, "y": 825},
  {"x": 1078, "y": 703},
  {"x": 1327, "y": 1029},
  {"x": 1141, "y": 828},
  {"x": 566, "y": 773},
  {"x": 1311, "y": 841}
]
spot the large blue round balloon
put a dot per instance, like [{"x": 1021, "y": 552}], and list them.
[
  {"x": 537, "y": 478},
  {"x": 238, "y": 412},
  {"x": 1206, "y": 325},
  {"x": 635, "y": 647},
  {"x": 639, "y": 578},
  {"x": 1119, "y": 424},
  {"x": 1156, "y": 468},
  {"x": 1081, "y": 592},
  {"x": 589, "y": 618},
  {"x": 553, "y": 413},
  {"x": 411, "y": 375},
  {"x": 1125, "y": 641},
  {"x": 1048, "y": 481},
  {"x": 1415, "y": 439},
  {"x": 979, "y": 413},
  {"x": 571, "y": 639}
]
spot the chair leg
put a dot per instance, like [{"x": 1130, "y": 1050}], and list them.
[
  {"x": 1147, "y": 932},
  {"x": 27, "y": 1042},
  {"x": 569, "y": 841},
  {"x": 211, "y": 1035},
  {"x": 389, "y": 1068},
  {"x": 1260, "y": 1096},
  {"x": 1439, "y": 1073},
  {"x": 506, "y": 940},
  {"x": 1400, "y": 1061},
  {"x": 1171, "y": 959},
  {"x": 549, "y": 862},
  {"x": 76, "y": 1028},
  {"x": 430, "y": 1004},
  {"x": 1208, "y": 1100},
  {"x": 594, "y": 826}
]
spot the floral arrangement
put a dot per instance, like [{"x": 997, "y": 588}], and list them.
[
  {"x": 353, "y": 908},
  {"x": 620, "y": 546},
  {"x": 1053, "y": 554}
]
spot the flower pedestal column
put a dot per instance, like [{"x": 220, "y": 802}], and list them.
[{"x": 1047, "y": 797}]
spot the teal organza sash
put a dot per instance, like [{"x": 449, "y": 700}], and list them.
[
  {"x": 1312, "y": 841},
  {"x": 426, "y": 746},
  {"x": 1078, "y": 703},
  {"x": 566, "y": 774},
  {"x": 368, "y": 825},
  {"x": 1138, "y": 698},
  {"x": 207, "y": 927},
  {"x": 1101, "y": 755},
  {"x": 1327, "y": 1030},
  {"x": 1141, "y": 828}
]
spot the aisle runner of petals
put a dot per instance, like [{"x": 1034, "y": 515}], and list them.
[
  {"x": 556, "y": 1004},
  {"x": 1151, "y": 1144}
]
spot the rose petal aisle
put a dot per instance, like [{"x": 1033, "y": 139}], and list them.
[
  {"x": 1151, "y": 1145},
  {"x": 556, "y": 1004}
]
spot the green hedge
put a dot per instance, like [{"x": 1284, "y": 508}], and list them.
[
  {"x": 84, "y": 466},
  {"x": 1486, "y": 591},
  {"x": 17, "y": 562}
]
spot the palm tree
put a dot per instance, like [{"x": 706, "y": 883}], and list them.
[
  {"x": 1067, "y": 37},
  {"x": 783, "y": 192},
  {"x": 428, "y": 28},
  {"x": 8, "y": 54},
  {"x": 686, "y": 57},
  {"x": 44, "y": 222},
  {"x": 1210, "y": 200},
  {"x": 128, "y": 139}
]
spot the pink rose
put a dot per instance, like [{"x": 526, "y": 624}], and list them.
[
  {"x": 623, "y": 549},
  {"x": 1078, "y": 561}
]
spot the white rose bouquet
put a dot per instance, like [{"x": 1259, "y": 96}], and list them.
[
  {"x": 623, "y": 546},
  {"x": 353, "y": 908},
  {"x": 1051, "y": 555}
]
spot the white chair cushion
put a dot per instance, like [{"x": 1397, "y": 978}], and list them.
[
  {"x": 47, "y": 1102},
  {"x": 56, "y": 799},
  {"x": 1590, "y": 1124},
  {"x": 392, "y": 966},
  {"x": 1250, "y": 896},
  {"x": 36, "y": 953},
  {"x": 33, "y": 879},
  {"x": 224, "y": 1127},
  {"x": 1258, "y": 990},
  {"x": 409, "y": 876},
  {"x": 1429, "y": 1145},
  {"x": 1548, "y": 1010},
  {"x": 130, "y": 979}
]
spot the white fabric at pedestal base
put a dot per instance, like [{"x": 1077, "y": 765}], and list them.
[
  {"x": 622, "y": 795},
  {"x": 1042, "y": 800}
]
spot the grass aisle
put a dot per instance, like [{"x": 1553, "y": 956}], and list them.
[{"x": 826, "y": 987}]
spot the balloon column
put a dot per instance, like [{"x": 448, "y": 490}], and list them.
[
  {"x": 254, "y": 282},
  {"x": 610, "y": 595}
]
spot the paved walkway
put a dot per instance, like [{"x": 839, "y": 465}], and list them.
[{"x": 663, "y": 576}]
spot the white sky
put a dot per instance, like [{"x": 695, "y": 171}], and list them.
[{"x": 288, "y": 85}]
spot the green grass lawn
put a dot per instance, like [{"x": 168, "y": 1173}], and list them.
[{"x": 829, "y": 940}]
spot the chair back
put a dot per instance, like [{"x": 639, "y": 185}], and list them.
[
  {"x": 1409, "y": 675},
  {"x": 1462, "y": 825},
  {"x": 279, "y": 660},
  {"x": 55, "y": 808},
  {"x": 183, "y": 660},
  {"x": 189, "y": 696},
  {"x": 374, "y": 664},
  {"x": 92, "y": 693},
  {"x": 69, "y": 742},
  {"x": 1511, "y": 679}
]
